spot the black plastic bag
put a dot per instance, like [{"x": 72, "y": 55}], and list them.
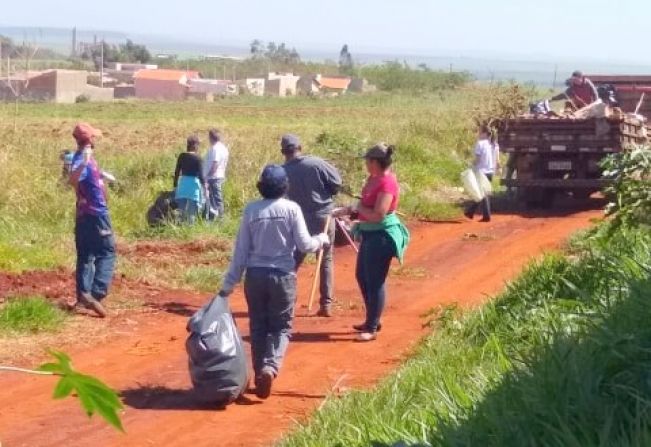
[{"x": 216, "y": 355}]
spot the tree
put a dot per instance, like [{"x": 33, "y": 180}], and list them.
[
  {"x": 257, "y": 49},
  {"x": 127, "y": 52},
  {"x": 346, "y": 65}
]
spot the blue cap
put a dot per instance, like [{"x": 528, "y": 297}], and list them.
[
  {"x": 273, "y": 175},
  {"x": 289, "y": 140}
]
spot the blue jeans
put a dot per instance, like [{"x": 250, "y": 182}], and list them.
[
  {"x": 189, "y": 210},
  {"x": 95, "y": 255},
  {"x": 215, "y": 202},
  {"x": 373, "y": 261},
  {"x": 315, "y": 225},
  {"x": 270, "y": 296}
]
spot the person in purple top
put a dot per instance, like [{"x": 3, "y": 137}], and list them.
[{"x": 94, "y": 238}]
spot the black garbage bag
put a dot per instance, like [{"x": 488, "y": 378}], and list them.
[
  {"x": 216, "y": 355},
  {"x": 162, "y": 210}
]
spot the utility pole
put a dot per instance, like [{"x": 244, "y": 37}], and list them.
[{"x": 101, "y": 68}]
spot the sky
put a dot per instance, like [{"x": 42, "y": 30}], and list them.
[{"x": 561, "y": 29}]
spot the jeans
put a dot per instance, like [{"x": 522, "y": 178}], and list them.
[
  {"x": 373, "y": 261},
  {"x": 95, "y": 255},
  {"x": 270, "y": 296},
  {"x": 215, "y": 202},
  {"x": 315, "y": 225},
  {"x": 189, "y": 210},
  {"x": 485, "y": 204}
]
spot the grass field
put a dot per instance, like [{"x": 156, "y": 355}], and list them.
[{"x": 141, "y": 141}]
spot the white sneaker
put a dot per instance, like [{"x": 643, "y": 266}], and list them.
[{"x": 366, "y": 336}]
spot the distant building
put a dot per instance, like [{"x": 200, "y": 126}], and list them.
[
  {"x": 216, "y": 87},
  {"x": 281, "y": 84},
  {"x": 124, "y": 91},
  {"x": 128, "y": 66},
  {"x": 325, "y": 85},
  {"x": 60, "y": 86},
  {"x": 169, "y": 85},
  {"x": 252, "y": 86}
]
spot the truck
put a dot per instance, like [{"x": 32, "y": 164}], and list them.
[{"x": 553, "y": 155}]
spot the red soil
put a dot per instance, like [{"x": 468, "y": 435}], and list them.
[{"x": 148, "y": 363}]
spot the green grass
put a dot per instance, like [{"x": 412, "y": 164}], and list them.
[
  {"x": 561, "y": 358},
  {"x": 141, "y": 140},
  {"x": 203, "y": 278},
  {"x": 31, "y": 314}
]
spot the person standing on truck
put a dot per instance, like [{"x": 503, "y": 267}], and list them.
[
  {"x": 486, "y": 160},
  {"x": 580, "y": 91},
  {"x": 313, "y": 184},
  {"x": 214, "y": 171},
  {"x": 94, "y": 239},
  {"x": 270, "y": 231}
]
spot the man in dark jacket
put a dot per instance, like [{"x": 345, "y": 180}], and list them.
[
  {"x": 580, "y": 91},
  {"x": 313, "y": 184}
]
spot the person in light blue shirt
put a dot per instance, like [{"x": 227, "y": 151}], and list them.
[
  {"x": 270, "y": 231},
  {"x": 189, "y": 183}
]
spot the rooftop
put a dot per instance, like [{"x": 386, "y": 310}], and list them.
[{"x": 334, "y": 83}]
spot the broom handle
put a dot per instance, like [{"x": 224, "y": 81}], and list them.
[
  {"x": 319, "y": 261},
  {"x": 348, "y": 238}
]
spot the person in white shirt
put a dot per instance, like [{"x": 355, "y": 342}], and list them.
[
  {"x": 214, "y": 166},
  {"x": 486, "y": 161}
]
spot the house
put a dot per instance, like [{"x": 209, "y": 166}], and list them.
[
  {"x": 318, "y": 84},
  {"x": 332, "y": 84},
  {"x": 215, "y": 87},
  {"x": 252, "y": 86},
  {"x": 123, "y": 91},
  {"x": 281, "y": 84},
  {"x": 170, "y": 85},
  {"x": 60, "y": 86}
]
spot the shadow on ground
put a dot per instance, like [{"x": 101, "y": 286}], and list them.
[
  {"x": 184, "y": 309},
  {"x": 163, "y": 398}
]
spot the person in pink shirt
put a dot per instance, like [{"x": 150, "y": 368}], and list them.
[{"x": 382, "y": 235}]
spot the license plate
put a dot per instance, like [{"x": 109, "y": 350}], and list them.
[{"x": 559, "y": 165}]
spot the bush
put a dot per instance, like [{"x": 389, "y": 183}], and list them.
[
  {"x": 396, "y": 76},
  {"x": 82, "y": 99}
]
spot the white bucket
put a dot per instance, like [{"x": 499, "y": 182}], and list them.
[{"x": 471, "y": 185}]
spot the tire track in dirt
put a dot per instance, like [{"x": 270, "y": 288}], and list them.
[{"x": 444, "y": 266}]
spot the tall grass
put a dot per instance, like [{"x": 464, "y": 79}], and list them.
[
  {"x": 141, "y": 141},
  {"x": 561, "y": 358}
]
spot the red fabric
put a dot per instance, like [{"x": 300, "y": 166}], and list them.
[
  {"x": 583, "y": 92},
  {"x": 387, "y": 183},
  {"x": 84, "y": 133}
]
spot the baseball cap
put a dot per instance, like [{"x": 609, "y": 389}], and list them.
[
  {"x": 273, "y": 175},
  {"x": 289, "y": 140},
  {"x": 84, "y": 133}
]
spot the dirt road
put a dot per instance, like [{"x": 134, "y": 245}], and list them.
[{"x": 446, "y": 263}]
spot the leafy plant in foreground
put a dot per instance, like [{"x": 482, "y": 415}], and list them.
[
  {"x": 93, "y": 394},
  {"x": 631, "y": 187}
]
